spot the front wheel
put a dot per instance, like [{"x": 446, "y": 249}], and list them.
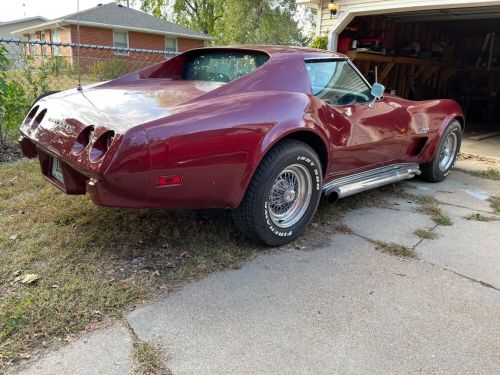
[
  {"x": 446, "y": 154},
  {"x": 282, "y": 196}
]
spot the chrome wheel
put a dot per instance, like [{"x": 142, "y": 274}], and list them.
[
  {"x": 290, "y": 196},
  {"x": 447, "y": 152}
]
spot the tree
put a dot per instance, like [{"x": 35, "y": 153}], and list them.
[
  {"x": 200, "y": 15},
  {"x": 234, "y": 21},
  {"x": 260, "y": 22}
]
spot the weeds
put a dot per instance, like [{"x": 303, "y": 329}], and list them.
[
  {"x": 481, "y": 217},
  {"x": 425, "y": 234},
  {"x": 495, "y": 203},
  {"x": 430, "y": 207},
  {"x": 395, "y": 249},
  {"x": 490, "y": 173},
  {"x": 147, "y": 359}
]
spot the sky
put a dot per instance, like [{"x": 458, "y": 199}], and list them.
[{"x": 15, "y": 9}]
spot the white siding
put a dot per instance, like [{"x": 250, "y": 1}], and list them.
[{"x": 351, "y": 8}]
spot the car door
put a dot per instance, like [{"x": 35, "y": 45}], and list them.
[{"x": 365, "y": 133}]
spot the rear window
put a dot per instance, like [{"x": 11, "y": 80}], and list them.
[{"x": 222, "y": 66}]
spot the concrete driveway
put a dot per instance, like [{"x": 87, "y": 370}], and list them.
[{"x": 345, "y": 308}]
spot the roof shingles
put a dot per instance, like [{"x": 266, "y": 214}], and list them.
[{"x": 116, "y": 15}]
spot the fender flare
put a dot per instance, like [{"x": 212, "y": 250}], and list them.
[
  {"x": 276, "y": 135},
  {"x": 431, "y": 148}
]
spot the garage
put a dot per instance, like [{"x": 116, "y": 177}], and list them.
[{"x": 424, "y": 50}]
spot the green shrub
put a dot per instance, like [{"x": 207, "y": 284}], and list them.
[
  {"x": 320, "y": 42},
  {"x": 13, "y": 101},
  {"x": 35, "y": 78},
  {"x": 107, "y": 70},
  {"x": 57, "y": 65}
]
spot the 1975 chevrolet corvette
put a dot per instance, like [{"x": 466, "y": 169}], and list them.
[{"x": 264, "y": 131}]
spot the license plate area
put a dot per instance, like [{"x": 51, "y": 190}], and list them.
[{"x": 56, "y": 170}]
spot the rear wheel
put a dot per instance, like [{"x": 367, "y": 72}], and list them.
[
  {"x": 282, "y": 196},
  {"x": 446, "y": 154}
]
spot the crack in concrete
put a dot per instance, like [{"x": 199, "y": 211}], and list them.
[
  {"x": 422, "y": 239},
  {"x": 467, "y": 208},
  {"x": 482, "y": 283}
]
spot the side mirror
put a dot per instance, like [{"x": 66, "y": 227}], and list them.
[
  {"x": 378, "y": 90},
  {"x": 377, "y": 93}
]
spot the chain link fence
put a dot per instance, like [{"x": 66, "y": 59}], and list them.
[
  {"x": 41, "y": 66},
  {"x": 30, "y": 68}
]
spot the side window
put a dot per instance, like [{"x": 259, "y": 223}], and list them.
[{"x": 337, "y": 83}]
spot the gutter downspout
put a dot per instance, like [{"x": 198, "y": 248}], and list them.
[{"x": 319, "y": 16}]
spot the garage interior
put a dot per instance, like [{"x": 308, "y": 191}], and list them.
[{"x": 443, "y": 53}]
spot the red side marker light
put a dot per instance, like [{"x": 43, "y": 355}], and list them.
[{"x": 168, "y": 181}]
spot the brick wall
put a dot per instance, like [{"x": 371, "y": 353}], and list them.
[
  {"x": 104, "y": 37},
  {"x": 184, "y": 44}
]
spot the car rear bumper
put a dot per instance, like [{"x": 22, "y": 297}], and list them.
[{"x": 74, "y": 180}]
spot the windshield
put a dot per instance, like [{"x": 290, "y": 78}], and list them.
[{"x": 222, "y": 66}]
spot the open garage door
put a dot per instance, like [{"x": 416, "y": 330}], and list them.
[{"x": 439, "y": 53}]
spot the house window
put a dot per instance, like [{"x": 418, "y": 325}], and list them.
[
  {"x": 32, "y": 47},
  {"x": 170, "y": 45},
  {"x": 120, "y": 40},
  {"x": 55, "y": 36}
]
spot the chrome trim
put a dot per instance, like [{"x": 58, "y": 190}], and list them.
[
  {"x": 356, "y": 183},
  {"x": 359, "y": 73},
  {"x": 326, "y": 58}
]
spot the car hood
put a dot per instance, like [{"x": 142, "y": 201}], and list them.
[{"x": 127, "y": 104}]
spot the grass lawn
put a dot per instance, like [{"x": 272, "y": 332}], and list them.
[{"x": 92, "y": 261}]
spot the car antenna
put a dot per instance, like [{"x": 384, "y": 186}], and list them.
[{"x": 79, "y": 87}]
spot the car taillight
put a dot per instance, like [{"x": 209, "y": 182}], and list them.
[
  {"x": 83, "y": 139},
  {"x": 38, "y": 119},
  {"x": 31, "y": 114},
  {"x": 168, "y": 181},
  {"x": 101, "y": 145}
]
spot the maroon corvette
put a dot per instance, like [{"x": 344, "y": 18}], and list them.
[{"x": 264, "y": 131}]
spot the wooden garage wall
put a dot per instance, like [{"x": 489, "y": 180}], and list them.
[{"x": 399, "y": 73}]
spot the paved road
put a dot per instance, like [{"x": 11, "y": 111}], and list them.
[{"x": 346, "y": 308}]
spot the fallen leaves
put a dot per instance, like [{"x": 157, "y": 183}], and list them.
[
  {"x": 184, "y": 254},
  {"x": 28, "y": 279}
]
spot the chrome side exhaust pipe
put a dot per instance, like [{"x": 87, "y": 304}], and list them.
[{"x": 357, "y": 183}]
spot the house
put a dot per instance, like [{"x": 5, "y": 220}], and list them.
[
  {"x": 423, "y": 49},
  {"x": 110, "y": 25},
  {"x": 15, "y": 51}
]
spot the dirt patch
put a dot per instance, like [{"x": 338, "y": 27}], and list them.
[
  {"x": 9, "y": 152},
  {"x": 467, "y": 156}
]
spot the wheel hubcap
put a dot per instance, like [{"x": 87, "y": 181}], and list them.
[
  {"x": 447, "y": 152},
  {"x": 290, "y": 196}
]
